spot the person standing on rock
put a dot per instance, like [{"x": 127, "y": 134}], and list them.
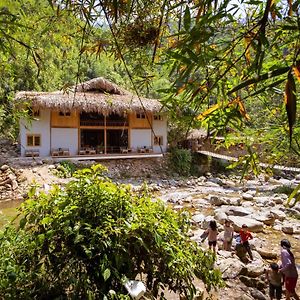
[
  {"x": 246, "y": 235},
  {"x": 275, "y": 281},
  {"x": 228, "y": 235},
  {"x": 288, "y": 269},
  {"x": 212, "y": 234}
]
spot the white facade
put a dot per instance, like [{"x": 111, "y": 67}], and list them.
[
  {"x": 140, "y": 138},
  {"x": 55, "y": 138},
  {"x": 65, "y": 138},
  {"x": 160, "y": 130},
  {"x": 41, "y": 127}
]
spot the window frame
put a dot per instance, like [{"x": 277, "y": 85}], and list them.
[
  {"x": 158, "y": 117},
  {"x": 64, "y": 114},
  {"x": 33, "y": 136},
  {"x": 140, "y": 116},
  {"x": 158, "y": 140}
]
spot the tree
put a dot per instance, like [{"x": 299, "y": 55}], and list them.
[
  {"x": 83, "y": 241},
  {"x": 222, "y": 62}
]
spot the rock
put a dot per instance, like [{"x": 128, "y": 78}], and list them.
[
  {"x": 256, "y": 267},
  {"x": 246, "y": 297},
  {"x": 257, "y": 295},
  {"x": 234, "y": 201},
  {"x": 253, "y": 282},
  {"x": 247, "y": 196},
  {"x": 266, "y": 217},
  {"x": 267, "y": 253},
  {"x": 14, "y": 185},
  {"x": 230, "y": 267},
  {"x": 253, "y": 225},
  {"x": 220, "y": 216},
  {"x": 217, "y": 201},
  {"x": 4, "y": 168},
  {"x": 238, "y": 211},
  {"x": 278, "y": 214},
  {"x": 199, "y": 218},
  {"x": 287, "y": 229}
]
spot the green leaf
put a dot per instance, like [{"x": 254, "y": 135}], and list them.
[
  {"x": 106, "y": 274},
  {"x": 292, "y": 195},
  {"x": 187, "y": 19},
  {"x": 259, "y": 78}
]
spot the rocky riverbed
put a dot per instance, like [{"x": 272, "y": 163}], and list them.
[{"x": 258, "y": 202}]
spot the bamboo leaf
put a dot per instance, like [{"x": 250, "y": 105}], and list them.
[
  {"x": 259, "y": 78},
  {"x": 290, "y": 102},
  {"x": 187, "y": 19},
  {"x": 292, "y": 195},
  {"x": 208, "y": 112},
  {"x": 296, "y": 70},
  {"x": 290, "y": 3}
]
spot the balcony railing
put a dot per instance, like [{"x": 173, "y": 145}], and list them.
[
  {"x": 101, "y": 123},
  {"x": 116, "y": 123},
  {"x": 91, "y": 122}
]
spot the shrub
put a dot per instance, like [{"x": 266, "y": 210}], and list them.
[
  {"x": 65, "y": 169},
  {"x": 180, "y": 161},
  {"x": 83, "y": 241}
]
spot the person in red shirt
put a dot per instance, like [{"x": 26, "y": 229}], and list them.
[{"x": 245, "y": 237}]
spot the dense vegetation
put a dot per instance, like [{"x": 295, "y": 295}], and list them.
[
  {"x": 218, "y": 64},
  {"x": 86, "y": 240}
]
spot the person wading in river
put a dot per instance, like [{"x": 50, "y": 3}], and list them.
[{"x": 288, "y": 269}]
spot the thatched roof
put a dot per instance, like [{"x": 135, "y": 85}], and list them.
[{"x": 96, "y": 95}]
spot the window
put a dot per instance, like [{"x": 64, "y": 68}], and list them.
[
  {"x": 33, "y": 140},
  {"x": 140, "y": 116},
  {"x": 158, "y": 141},
  {"x": 158, "y": 117},
  {"x": 64, "y": 114}
]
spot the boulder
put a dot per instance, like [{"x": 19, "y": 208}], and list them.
[
  {"x": 266, "y": 217},
  {"x": 267, "y": 253},
  {"x": 247, "y": 196},
  {"x": 238, "y": 211},
  {"x": 257, "y": 295},
  {"x": 287, "y": 229},
  {"x": 256, "y": 267},
  {"x": 278, "y": 214},
  {"x": 217, "y": 201},
  {"x": 230, "y": 267},
  {"x": 253, "y": 225}
]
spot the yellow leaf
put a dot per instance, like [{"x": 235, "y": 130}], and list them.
[
  {"x": 296, "y": 70},
  {"x": 290, "y": 12},
  {"x": 208, "y": 112},
  {"x": 242, "y": 109},
  {"x": 248, "y": 41},
  {"x": 273, "y": 10}
]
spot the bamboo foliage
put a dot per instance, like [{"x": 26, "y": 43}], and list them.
[{"x": 290, "y": 102}]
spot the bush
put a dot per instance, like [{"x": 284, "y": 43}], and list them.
[
  {"x": 65, "y": 169},
  {"x": 83, "y": 241},
  {"x": 180, "y": 161}
]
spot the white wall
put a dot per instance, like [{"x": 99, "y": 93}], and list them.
[
  {"x": 140, "y": 138},
  {"x": 65, "y": 138},
  {"x": 160, "y": 129},
  {"x": 42, "y": 127}
]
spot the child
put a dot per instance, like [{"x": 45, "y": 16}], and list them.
[
  {"x": 275, "y": 281},
  {"x": 228, "y": 235},
  {"x": 245, "y": 237},
  {"x": 212, "y": 234}
]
